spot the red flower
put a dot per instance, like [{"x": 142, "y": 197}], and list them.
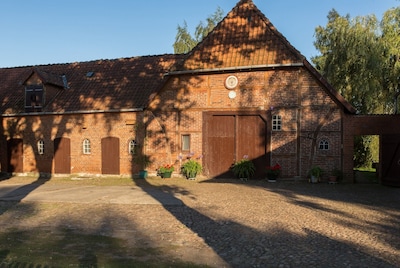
[
  {"x": 166, "y": 168},
  {"x": 273, "y": 171},
  {"x": 277, "y": 167}
]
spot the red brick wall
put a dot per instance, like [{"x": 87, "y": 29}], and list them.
[
  {"x": 292, "y": 93},
  {"x": 308, "y": 113},
  {"x": 77, "y": 127},
  {"x": 354, "y": 125}
]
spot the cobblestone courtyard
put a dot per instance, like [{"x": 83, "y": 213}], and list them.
[{"x": 229, "y": 223}]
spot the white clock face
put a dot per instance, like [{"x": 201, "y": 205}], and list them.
[
  {"x": 231, "y": 82},
  {"x": 232, "y": 94}
]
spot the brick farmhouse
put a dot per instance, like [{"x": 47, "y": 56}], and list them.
[{"x": 243, "y": 91}]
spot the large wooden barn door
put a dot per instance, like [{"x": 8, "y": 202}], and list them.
[
  {"x": 231, "y": 137},
  {"x": 110, "y": 155},
  {"x": 62, "y": 155},
  {"x": 220, "y": 152},
  {"x": 251, "y": 141},
  {"x": 15, "y": 153},
  {"x": 390, "y": 160}
]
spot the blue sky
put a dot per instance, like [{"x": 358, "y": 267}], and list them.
[{"x": 59, "y": 31}]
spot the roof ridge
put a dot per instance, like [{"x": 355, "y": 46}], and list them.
[{"x": 90, "y": 61}]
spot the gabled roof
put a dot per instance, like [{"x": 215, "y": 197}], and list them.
[
  {"x": 125, "y": 83},
  {"x": 245, "y": 37},
  {"x": 47, "y": 78}
]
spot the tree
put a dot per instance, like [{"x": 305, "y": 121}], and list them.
[
  {"x": 185, "y": 42},
  {"x": 351, "y": 56},
  {"x": 360, "y": 58}
]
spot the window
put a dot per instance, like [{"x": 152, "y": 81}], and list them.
[
  {"x": 86, "y": 146},
  {"x": 132, "y": 147},
  {"x": 40, "y": 146},
  {"x": 276, "y": 122},
  {"x": 186, "y": 142},
  {"x": 324, "y": 145},
  {"x": 33, "y": 98}
]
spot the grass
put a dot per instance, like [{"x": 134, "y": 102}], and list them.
[
  {"x": 41, "y": 247},
  {"x": 68, "y": 249},
  {"x": 103, "y": 180}
]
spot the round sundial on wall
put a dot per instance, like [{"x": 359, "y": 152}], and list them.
[{"x": 231, "y": 82}]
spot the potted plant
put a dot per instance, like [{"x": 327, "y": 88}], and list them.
[
  {"x": 143, "y": 161},
  {"x": 315, "y": 174},
  {"x": 273, "y": 172},
  {"x": 243, "y": 169},
  {"x": 191, "y": 168},
  {"x": 336, "y": 176},
  {"x": 165, "y": 171}
]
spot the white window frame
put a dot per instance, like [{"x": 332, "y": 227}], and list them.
[
  {"x": 86, "y": 146},
  {"x": 323, "y": 145},
  {"x": 40, "y": 147},
  {"x": 185, "y": 142},
  {"x": 132, "y": 147},
  {"x": 276, "y": 122}
]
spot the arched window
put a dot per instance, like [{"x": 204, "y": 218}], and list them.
[
  {"x": 324, "y": 145},
  {"x": 86, "y": 146},
  {"x": 132, "y": 147},
  {"x": 40, "y": 146}
]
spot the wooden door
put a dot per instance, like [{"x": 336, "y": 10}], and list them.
[
  {"x": 251, "y": 141},
  {"x": 15, "y": 155},
  {"x": 110, "y": 155},
  {"x": 62, "y": 155},
  {"x": 220, "y": 152},
  {"x": 231, "y": 137},
  {"x": 390, "y": 160}
]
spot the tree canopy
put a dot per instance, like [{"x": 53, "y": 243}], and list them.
[
  {"x": 185, "y": 42},
  {"x": 360, "y": 58}
]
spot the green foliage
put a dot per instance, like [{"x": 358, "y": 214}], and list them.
[
  {"x": 338, "y": 174},
  {"x": 360, "y": 58},
  {"x": 185, "y": 42},
  {"x": 362, "y": 151},
  {"x": 244, "y": 168},
  {"x": 166, "y": 168},
  {"x": 357, "y": 58},
  {"x": 143, "y": 161},
  {"x": 316, "y": 171},
  {"x": 191, "y": 168}
]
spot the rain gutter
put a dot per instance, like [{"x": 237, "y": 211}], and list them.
[{"x": 75, "y": 112}]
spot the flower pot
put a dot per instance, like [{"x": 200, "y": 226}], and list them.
[
  {"x": 166, "y": 174},
  {"x": 314, "y": 179},
  {"x": 142, "y": 174},
  {"x": 191, "y": 176},
  {"x": 332, "y": 179}
]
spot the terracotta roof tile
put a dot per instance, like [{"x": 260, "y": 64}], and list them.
[
  {"x": 114, "y": 84},
  {"x": 245, "y": 37}
]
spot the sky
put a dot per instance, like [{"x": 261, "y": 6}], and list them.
[{"x": 37, "y": 32}]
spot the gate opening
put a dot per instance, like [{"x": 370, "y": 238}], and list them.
[{"x": 366, "y": 158}]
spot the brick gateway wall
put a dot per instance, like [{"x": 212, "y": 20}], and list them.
[{"x": 355, "y": 125}]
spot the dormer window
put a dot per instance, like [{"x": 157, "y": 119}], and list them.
[{"x": 34, "y": 98}]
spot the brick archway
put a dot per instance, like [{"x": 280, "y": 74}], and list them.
[{"x": 382, "y": 125}]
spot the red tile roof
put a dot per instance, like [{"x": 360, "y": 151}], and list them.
[
  {"x": 245, "y": 37},
  {"x": 115, "y": 84}
]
